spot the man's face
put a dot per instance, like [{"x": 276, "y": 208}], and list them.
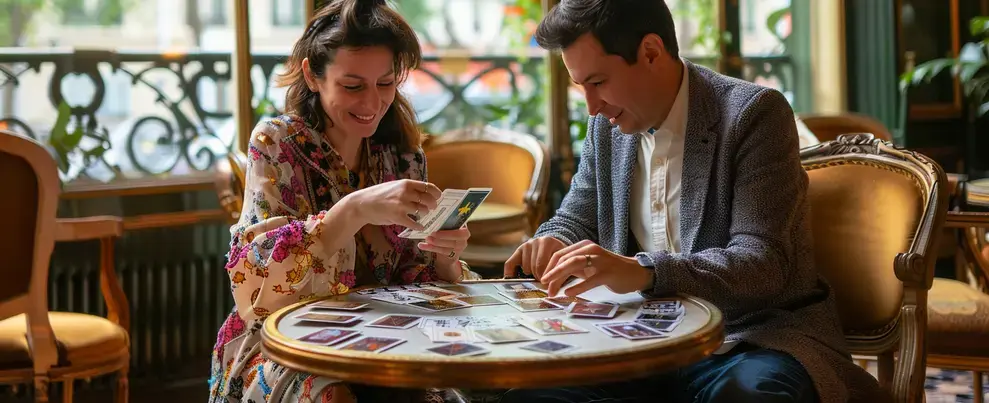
[{"x": 625, "y": 94}]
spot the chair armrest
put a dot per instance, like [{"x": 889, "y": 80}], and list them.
[{"x": 87, "y": 228}]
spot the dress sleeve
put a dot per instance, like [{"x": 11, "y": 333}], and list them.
[{"x": 276, "y": 250}]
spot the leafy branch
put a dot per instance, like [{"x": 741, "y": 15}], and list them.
[{"x": 970, "y": 68}]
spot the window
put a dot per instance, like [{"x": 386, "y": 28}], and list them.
[
  {"x": 213, "y": 12},
  {"x": 287, "y": 13},
  {"x": 92, "y": 12}
]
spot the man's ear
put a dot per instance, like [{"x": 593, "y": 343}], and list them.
[{"x": 651, "y": 48}]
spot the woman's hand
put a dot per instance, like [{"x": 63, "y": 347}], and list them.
[
  {"x": 447, "y": 245},
  {"x": 394, "y": 203}
]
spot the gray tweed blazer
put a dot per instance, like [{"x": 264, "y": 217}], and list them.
[{"x": 744, "y": 229}]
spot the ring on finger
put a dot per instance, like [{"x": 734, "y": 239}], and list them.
[
  {"x": 452, "y": 253},
  {"x": 587, "y": 262}
]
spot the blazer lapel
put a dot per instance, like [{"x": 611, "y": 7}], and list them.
[
  {"x": 626, "y": 151},
  {"x": 700, "y": 145}
]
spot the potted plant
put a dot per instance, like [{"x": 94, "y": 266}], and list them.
[{"x": 970, "y": 68}]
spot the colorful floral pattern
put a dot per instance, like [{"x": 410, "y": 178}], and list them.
[{"x": 276, "y": 257}]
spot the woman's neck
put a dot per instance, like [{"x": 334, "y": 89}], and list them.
[{"x": 349, "y": 147}]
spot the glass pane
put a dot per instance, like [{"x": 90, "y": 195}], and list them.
[{"x": 765, "y": 29}]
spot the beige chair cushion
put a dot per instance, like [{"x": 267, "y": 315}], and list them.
[
  {"x": 957, "y": 319},
  {"x": 82, "y": 339},
  {"x": 863, "y": 217}
]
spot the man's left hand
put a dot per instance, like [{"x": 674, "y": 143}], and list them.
[{"x": 597, "y": 266}]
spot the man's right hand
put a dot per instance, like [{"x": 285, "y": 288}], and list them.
[{"x": 533, "y": 256}]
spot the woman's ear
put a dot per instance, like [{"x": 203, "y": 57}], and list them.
[{"x": 307, "y": 75}]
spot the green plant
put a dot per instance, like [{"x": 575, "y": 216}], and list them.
[
  {"x": 69, "y": 147},
  {"x": 970, "y": 67}
]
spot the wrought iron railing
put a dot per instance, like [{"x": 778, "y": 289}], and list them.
[{"x": 183, "y": 126}]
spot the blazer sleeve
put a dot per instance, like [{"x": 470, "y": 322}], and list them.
[
  {"x": 770, "y": 187},
  {"x": 576, "y": 219}
]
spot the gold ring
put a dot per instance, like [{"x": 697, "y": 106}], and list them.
[
  {"x": 587, "y": 259},
  {"x": 452, "y": 253},
  {"x": 416, "y": 213}
]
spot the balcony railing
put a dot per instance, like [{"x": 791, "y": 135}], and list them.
[{"x": 172, "y": 112}]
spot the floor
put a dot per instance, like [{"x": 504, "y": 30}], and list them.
[{"x": 947, "y": 386}]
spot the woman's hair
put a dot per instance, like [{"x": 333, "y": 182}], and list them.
[{"x": 354, "y": 24}]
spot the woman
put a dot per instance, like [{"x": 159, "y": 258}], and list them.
[{"x": 329, "y": 187}]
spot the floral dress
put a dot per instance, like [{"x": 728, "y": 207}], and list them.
[{"x": 293, "y": 177}]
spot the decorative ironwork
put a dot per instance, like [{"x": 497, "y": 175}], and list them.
[{"x": 182, "y": 134}]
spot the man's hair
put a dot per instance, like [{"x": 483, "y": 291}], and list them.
[{"x": 619, "y": 25}]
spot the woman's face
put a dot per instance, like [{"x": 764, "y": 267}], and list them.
[{"x": 356, "y": 89}]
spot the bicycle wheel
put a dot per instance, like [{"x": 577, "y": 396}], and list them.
[{"x": 153, "y": 146}]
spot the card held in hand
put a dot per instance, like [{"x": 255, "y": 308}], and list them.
[{"x": 452, "y": 211}]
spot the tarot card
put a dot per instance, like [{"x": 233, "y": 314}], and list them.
[
  {"x": 447, "y": 335},
  {"x": 437, "y": 305},
  {"x": 533, "y": 305},
  {"x": 452, "y": 211},
  {"x": 592, "y": 309},
  {"x": 458, "y": 350},
  {"x": 339, "y": 305},
  {"x": 395, "y": 298},
  {"x": 524, "y": 294},
  {"x": 480, "y": 300},
  {"x": 606, "y": 330},
  {"x": 517, "y": 286},
  {"x": 658, "y": 304},
  {"x": 329, "y": 337},
  {"x": 501, "y": 335},
  {"x": 327, "y": 317},
  {"x": 664, "y": 326},
  {"x": 468, "y": 205},
  {"x": 372, "y": 344},
  {"x": 633, "y": 331},
  {"x": 549, "y": 347},
  {"x": 395, "y": 321},
  {"x": 367, "y": 291},
  {"x": 564, "y": 301},
  {"x": 653, "y": 315},
  {"x": 431, "y": 293},
  {"x": 550, "y": 326}
]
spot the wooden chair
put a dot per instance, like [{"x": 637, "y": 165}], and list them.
[
  {"x": 515, "y": 165},
  {"x": 38, "y": 346},
  {"x": 877, "y": 212},
  {"x": 829, "y": 127},
  {"x": 958, "y": 310},
  {"x": 230, "y": 182}
]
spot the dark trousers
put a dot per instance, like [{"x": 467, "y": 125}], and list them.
[{"x": 745, "y": 374}]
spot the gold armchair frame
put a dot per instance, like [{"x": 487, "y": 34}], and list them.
[{"x": 914, "y": 268}]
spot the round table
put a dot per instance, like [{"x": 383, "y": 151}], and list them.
[{"x": 598, "y": 357}]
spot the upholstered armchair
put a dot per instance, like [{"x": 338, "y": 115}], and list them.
[
  {"x": 37, "y": 346},
  {"x": 829, "y": 127},
  {"x": 515, "y": 165},
  {"x": 877, "y": 213},
  {"x": 230, "y": 181}
]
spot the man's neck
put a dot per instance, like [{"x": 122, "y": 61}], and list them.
[{"x": 669, "y": 91}]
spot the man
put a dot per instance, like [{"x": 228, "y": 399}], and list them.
[{"x": 691, "y": 182}]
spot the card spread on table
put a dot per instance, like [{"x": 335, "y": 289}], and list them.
[
  {"x": 395, "y": 298},
  {"x": 452, "y": 211},
  {"x": 480, "y": 300},
  {"x": 632, "y": 330},
  {"x": 533, "y": 305},
  {"x": 592, "y": 309},
  {"x": 474, "y": 322},
  {"x": 564, "y": 301},
  {"x": 664, "y": 326},
  {"x": 606, "y": 330},
  {"x": 502, "y": 335},
  {"x": 458, "y": 349},
  {"x": 372, "y": 344},
  {"x": 517, "y": 286},
  {"x": 431, "y": 293},
  {"x": 446, "y": 335},
  {"x": 524, "y": 294},
  {"x": 550, "y": 326},
  {"x": 437, "y": 305},
  {"x": 549, "y": 347},
  {"x": 339, "y": 305},
  {"x": 395, "y": 321},
  {"x": 327, "y": 317},
  {"x": 329, "y": 337}
]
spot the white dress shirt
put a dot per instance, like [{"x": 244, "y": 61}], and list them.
[{"x": 655, "y": 199}]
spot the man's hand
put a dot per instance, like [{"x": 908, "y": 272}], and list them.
[
  {"x": 597, "y": 266},
  {"x": 533, "y": 256}
]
